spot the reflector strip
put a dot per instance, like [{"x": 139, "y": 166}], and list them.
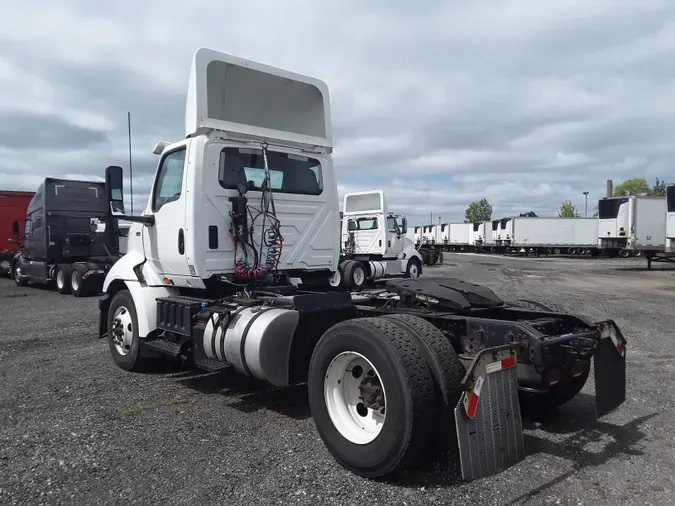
[
  {"x": 609, "y": 332},
  {"x": 471, "y": 405},
  {"x": 507, "y": 363}
]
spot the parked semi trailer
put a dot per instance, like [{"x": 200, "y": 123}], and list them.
[
  {"x": 374, "y": 242},
  {"x": 70, "y": 239},
  {"x": 13, "y": 206},
  {"x": 392, "y": 373},
  {"x": 670, "y": 218},
  {"x": 555, "y": 235},
  {"x": 630, "y": 224}
]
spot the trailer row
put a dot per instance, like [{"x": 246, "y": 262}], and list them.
[{"x": 625, "y": 226}]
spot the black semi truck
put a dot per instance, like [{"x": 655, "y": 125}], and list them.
[{"x": 70, "y": 238}]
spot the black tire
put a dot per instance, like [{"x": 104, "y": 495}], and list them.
[
  {"x": 355, "y": 271},
  {"x": 414, "y": 268},
  {"x": 79, "y": 286},
  {"x": 16, "y": 271},
  {"x": 132, "y": 360},
  {"x": 409, "y": 389},
  {"x": 425, "y": 256},
  {"x": 446, "y": 369},
  {"x": 433, "y": 257},
  {"x": 62, "y": 278},
  {"x": 440, "y": 257}
]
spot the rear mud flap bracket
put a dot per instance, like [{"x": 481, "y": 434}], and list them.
[{"x": 487, "y": 416}]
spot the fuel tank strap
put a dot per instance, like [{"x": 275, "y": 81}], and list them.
[{"x": 244, "y": 335}]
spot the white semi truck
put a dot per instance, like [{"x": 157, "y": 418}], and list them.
[
  {"x": 230, "y": 265},
  {"x": 374, "y": 242}
]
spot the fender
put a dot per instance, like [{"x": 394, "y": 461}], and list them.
[
  {"x": 123, "y": 275},
  {"x": 410, "y": 251},
  {"x": 123, "y": 269}
]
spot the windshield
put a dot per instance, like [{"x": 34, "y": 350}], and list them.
[{"x": 288, "y": 173}]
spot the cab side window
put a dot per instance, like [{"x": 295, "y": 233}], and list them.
[
  {"x": 392, "y": 225},
  {"x": 170, "y": 179}
]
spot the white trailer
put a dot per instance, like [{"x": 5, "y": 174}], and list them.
[
  {"x": 504, "y": 233},
  {"x": 460, "y": 235},
  {"x": 418, "y": 236},
  {"x": 247, "y": 203},
  {"x": 442, "y": 233},
  {"x": 632, "y": 224},
  {"x": 555, "y": 235},
  {"x": 375, "y": 244},
  {"x": 670, "y": 218}
]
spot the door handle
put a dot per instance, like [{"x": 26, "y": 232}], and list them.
[{"x": 181, "y": 241}]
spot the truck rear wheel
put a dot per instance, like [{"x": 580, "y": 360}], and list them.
[
  {"x": 445, "y": 367},
  {"x": 78, "y": 285},
  {"x": 371, "y": 396},
  {"x": 123, "y": 338},
  {"x": 62, "y": 276}
]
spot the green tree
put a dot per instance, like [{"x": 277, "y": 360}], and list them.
[
  {"x": 529, "y": 214},
  {"x": 659, "y": 188},
  {"x": 567, "y": 210},
  {"x": 634, "y": 186},
  {"x": 480, "y": 210}
]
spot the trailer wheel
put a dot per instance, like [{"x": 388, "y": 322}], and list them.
[
  {"x": 414, "y": 268},
  {"x": 62, "y": 275},
  {"x": 371, "y": 396},
  {"x": 445, "y": 367},
  {"x": 355, "y": 274},
  {"x": 78, "y": 285},
  {"x": 123, "y": 339}
]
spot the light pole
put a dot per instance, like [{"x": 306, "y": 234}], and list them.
[{"x": 586, "y": 205}]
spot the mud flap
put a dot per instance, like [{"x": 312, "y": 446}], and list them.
[
  {"x": 610, "y": 369},
  {"x": 487, "y": 417}
]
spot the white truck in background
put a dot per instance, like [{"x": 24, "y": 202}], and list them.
[
  {"x": 374, "y": 242},
  {"x": 632, "y": 224},
  {"x": 230, "y": 266}
]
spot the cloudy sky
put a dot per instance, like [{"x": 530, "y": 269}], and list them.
[{"x": 527, "y": 103}]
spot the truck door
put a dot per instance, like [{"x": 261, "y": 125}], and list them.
[
  {"x": 394, "y": 240},
  {"x": 164, "y": 242}
]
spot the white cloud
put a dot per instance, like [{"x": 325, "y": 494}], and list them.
[{"x": 525, "y": 103}]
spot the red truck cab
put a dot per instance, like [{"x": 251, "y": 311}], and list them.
[{"x": 13, "y": 207}]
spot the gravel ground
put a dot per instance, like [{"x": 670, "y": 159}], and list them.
[{"x": 76, "y": 430}]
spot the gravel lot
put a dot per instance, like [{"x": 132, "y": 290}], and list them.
[{"x": 76, "y": 430}]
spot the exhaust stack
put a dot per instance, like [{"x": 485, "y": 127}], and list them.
[{"x": 610, "y": 188}]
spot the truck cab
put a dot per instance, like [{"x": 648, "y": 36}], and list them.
[{"x": 69, "y": 238}]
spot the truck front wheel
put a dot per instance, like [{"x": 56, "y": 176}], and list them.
[
  {"x": 123, "y": 338},
  {"x": 372, "y": 396}
]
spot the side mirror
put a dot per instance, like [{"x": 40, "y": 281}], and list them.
[
  {"x": 351, "y": 225},
  {"x": 404, "y": 225},
  {"x": 15, "y": 230},
  {"x": 114, "y": 192},
  {"x": 114, "y": 189}
]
